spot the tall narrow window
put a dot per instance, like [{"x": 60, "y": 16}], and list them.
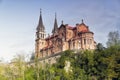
[
  {"x": 84, "y": 41},
  {"x": 90, "y": 41},
  {"x": 43, "y": 35}
]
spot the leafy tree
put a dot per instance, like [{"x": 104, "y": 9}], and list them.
[
  {"x": 100, "y": 47},
  {"x": 29, "y": 73},
  {"x": 100, "y": 64},
  {"x": 113, "y": 38}
]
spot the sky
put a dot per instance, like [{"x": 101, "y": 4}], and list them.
[{"x": 19, "y": 19}]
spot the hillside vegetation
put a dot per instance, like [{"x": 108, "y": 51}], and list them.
[{"x": 100, "y": 64}]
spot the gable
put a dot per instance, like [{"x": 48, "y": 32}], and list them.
[{"x": 61, "y": 28}]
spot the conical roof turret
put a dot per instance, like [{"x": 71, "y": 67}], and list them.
[
  {"x": 55, "y": 28},
  {"x": 40, "y": 26}
]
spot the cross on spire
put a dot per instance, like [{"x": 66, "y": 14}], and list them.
[
  {"x": 40, "y": 11},
  {"x": 55, "y": 15},
  {"x": 62, "y": 21},
  {"x": 82, "y": 21}
]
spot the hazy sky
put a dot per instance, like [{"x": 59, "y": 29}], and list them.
[{"x": 19, "y": 19}]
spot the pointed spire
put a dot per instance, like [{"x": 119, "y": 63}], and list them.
[
  {"x": 82, "y": 21},
  {"x": 55, "y": 25},
  {"x": 40, "y": 26},
  {"x": 55, "y": 15},
  {"x": 62, "y": 22}
]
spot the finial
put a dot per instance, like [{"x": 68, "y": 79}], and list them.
[
  {"x": 82, "y": 21},
  {"x": 40, "y": 10},
  {"x": 55, "y": 15},
  {"x": 62, "y": 21}
]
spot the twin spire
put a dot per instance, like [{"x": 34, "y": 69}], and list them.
[
  {"x": 55, "y": 28},
  {"x": 41, "y": 27}
]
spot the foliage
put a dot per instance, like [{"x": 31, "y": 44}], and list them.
[
  {"x": 113, "y": 39},
  {"x": 100, "y": 64},
  {"x": 32, "y": 56},
  {"x": 103, "y": 63}
]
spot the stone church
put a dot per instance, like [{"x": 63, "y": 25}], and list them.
[{"x": 64, "y": 37}]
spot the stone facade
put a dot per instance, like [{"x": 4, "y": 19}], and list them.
[{"x": 63, "y": 38}]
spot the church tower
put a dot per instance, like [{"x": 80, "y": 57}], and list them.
[
  {"x": 40, "y": 36},
  {"x": 55, "y": 28}
]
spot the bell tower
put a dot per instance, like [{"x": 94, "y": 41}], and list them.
[{"x": 40, "y": 37}]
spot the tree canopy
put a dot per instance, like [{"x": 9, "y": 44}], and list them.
[
  {"x": 100, "y": 64},
  {"x": 113, "y": 38}
]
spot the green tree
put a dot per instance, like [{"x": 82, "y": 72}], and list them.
[
  {"x": 100, "y": 47},
  {"x": 29, "y": 73},
  {"x": 18, "y": 66},
  {"x": 113, "y": 38}
]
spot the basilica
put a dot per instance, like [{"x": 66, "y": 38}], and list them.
[{"x": 64, "y": 37}]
